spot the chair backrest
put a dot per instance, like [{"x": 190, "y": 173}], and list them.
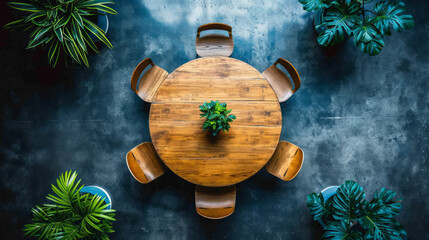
[
  {"x": 286, "y": 161},
  {"x": 144, "y": 163},
  {"x": 214, "y": 26},
  {"x": 215, "y": 202},
  {"x": 150, "y": 81},
  {"x": 280, "y": 82}
]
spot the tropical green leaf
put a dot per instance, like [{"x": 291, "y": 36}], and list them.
[
  {"x": 312, "y": 5},
  {"x": 27, "y": 7},
  {"x": 18, "y": 24},
  {"x": 340, "y": 231},
  {"x": 35, "y": 15},
  {"x": 347, "y": 201},
  {"x": 338, "y": 25},
  {"x": 318, "y": 207},
  {"x": 94, "y": 29},
  {"x": 73, "y": 215},
  {"x": 368, "y": 39},
  {"x": 103, "y": 8},
  {"x": 392, "y": 205},
  {"x": 379, "y": 223},
  {"x": 391, "y": 14}
]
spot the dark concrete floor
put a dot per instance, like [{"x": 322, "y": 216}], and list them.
[{"x": 356, "y": 117}]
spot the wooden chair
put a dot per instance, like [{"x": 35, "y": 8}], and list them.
[
  {"x": 214, "y": 44},
  {"x": 280, "y": 82},
  {"x": 144, "y": 163},
  {"x": 150, "y": 81},
  {"x": 215, "y": 202},
  {"x": 286, "y": 161}
]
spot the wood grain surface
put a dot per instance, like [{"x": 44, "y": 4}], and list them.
[
  {"x": 231, "y": 157},
  {"x": 215, "y": 203},
  {"x": 286, "y": 161}
]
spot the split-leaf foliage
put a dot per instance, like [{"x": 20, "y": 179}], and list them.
[
  {"x": 71, "y": 214},
  {"x": 217, "y": 117},
  {"x": 349, "y": 216},
  {"x": 62, "y": 27},
  {"x": 343, "y": 19}
]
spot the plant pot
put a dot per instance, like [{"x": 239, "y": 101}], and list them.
[
  {"x": 102, "y": 22},
  {"x": 96, "y": 190},
  {"x": 328, "y": 193}
]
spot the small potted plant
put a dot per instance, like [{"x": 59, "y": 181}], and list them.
[
  {"x": 346, "y": 214},
  {"x": 217, "y": 117},
  {"x": 74, "y": 212},
  {"x": 63, "y": 27},
  {"x": 338, "y": 20}
]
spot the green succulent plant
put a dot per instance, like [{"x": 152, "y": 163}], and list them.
[
  {"x": 348, "y": 209},
  {"x": 217, "y": 117},
  {"x": 71, "y": 214},
  {"x": 62, "y": 27},
  {"x": 345, "y": 19}
]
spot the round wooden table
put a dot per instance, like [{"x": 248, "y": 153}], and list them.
[{"x": 231, "y": 157}]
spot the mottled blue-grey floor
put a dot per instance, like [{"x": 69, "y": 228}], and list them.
[{"x": 356, "y": 117}]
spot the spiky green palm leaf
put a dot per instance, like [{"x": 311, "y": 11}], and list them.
[
  {"x": 62, "y": 27},
  {"x": 391, "y": 14},
  {"x": 72, "y": 215}
]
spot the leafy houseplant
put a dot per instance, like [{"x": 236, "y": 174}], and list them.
[
  {"x": 342, "y": 19},
  {"x": 62, "y": 26},
  {"x": 217, "y": 117},
  {"x": 348, "y": 216},
  {"x": 71, "y": 215}
]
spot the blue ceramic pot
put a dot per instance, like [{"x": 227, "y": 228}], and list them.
[
  {"x": 100, "y": 192},
  {"x": 328, "y": 193}
]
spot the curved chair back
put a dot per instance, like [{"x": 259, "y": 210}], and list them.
[
  {"x": 144, "y": 163},
  {"x": 214, "y": 44},
  {"x": 215, "y": 202},
  {"x": 286, "y": 161},
  {"x": 150, "y": 81},
  {"x": 280, "y": 82}
]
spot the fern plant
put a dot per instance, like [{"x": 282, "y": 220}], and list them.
[
  {"x": 348, "y": 216},
  {"x": 71, "y": 214},
  {"x": 62, "y": 26},
  {"x": 217, "y": 117},
  {"x": 343, "y": 19}
]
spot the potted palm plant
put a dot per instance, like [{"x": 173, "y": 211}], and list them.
[
  {"x": 63, "y": 27},
  {"x": 345, "y": 214},
  {"x": 75, "y": 212},
  {"x": 337, "y": 20},
  {"x": 217, "y": 117}
]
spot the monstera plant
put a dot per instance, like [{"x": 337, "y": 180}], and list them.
[
  {"x": 62, "y": 27},
  {"x": 71, "y": 214},
  {"x": 349, "y": 216},
  {"x": 343, "y": 19},
  {"x": 217, "y": 117}
]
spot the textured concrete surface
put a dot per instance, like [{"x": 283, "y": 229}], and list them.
[{"x": 356, "y": 117}]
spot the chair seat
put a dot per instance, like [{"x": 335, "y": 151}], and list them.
[
  {"x": 144, "y": 163},
  {"x": 150, "y": 83},
  {"x": 214, "y": 45},
  {"x": 215, "y": 202},
  {"x": 286, "y": 161},
  {"x": 280, "y": 83}
]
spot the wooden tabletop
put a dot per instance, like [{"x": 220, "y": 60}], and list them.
[{"x": 231, "y": 157}]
